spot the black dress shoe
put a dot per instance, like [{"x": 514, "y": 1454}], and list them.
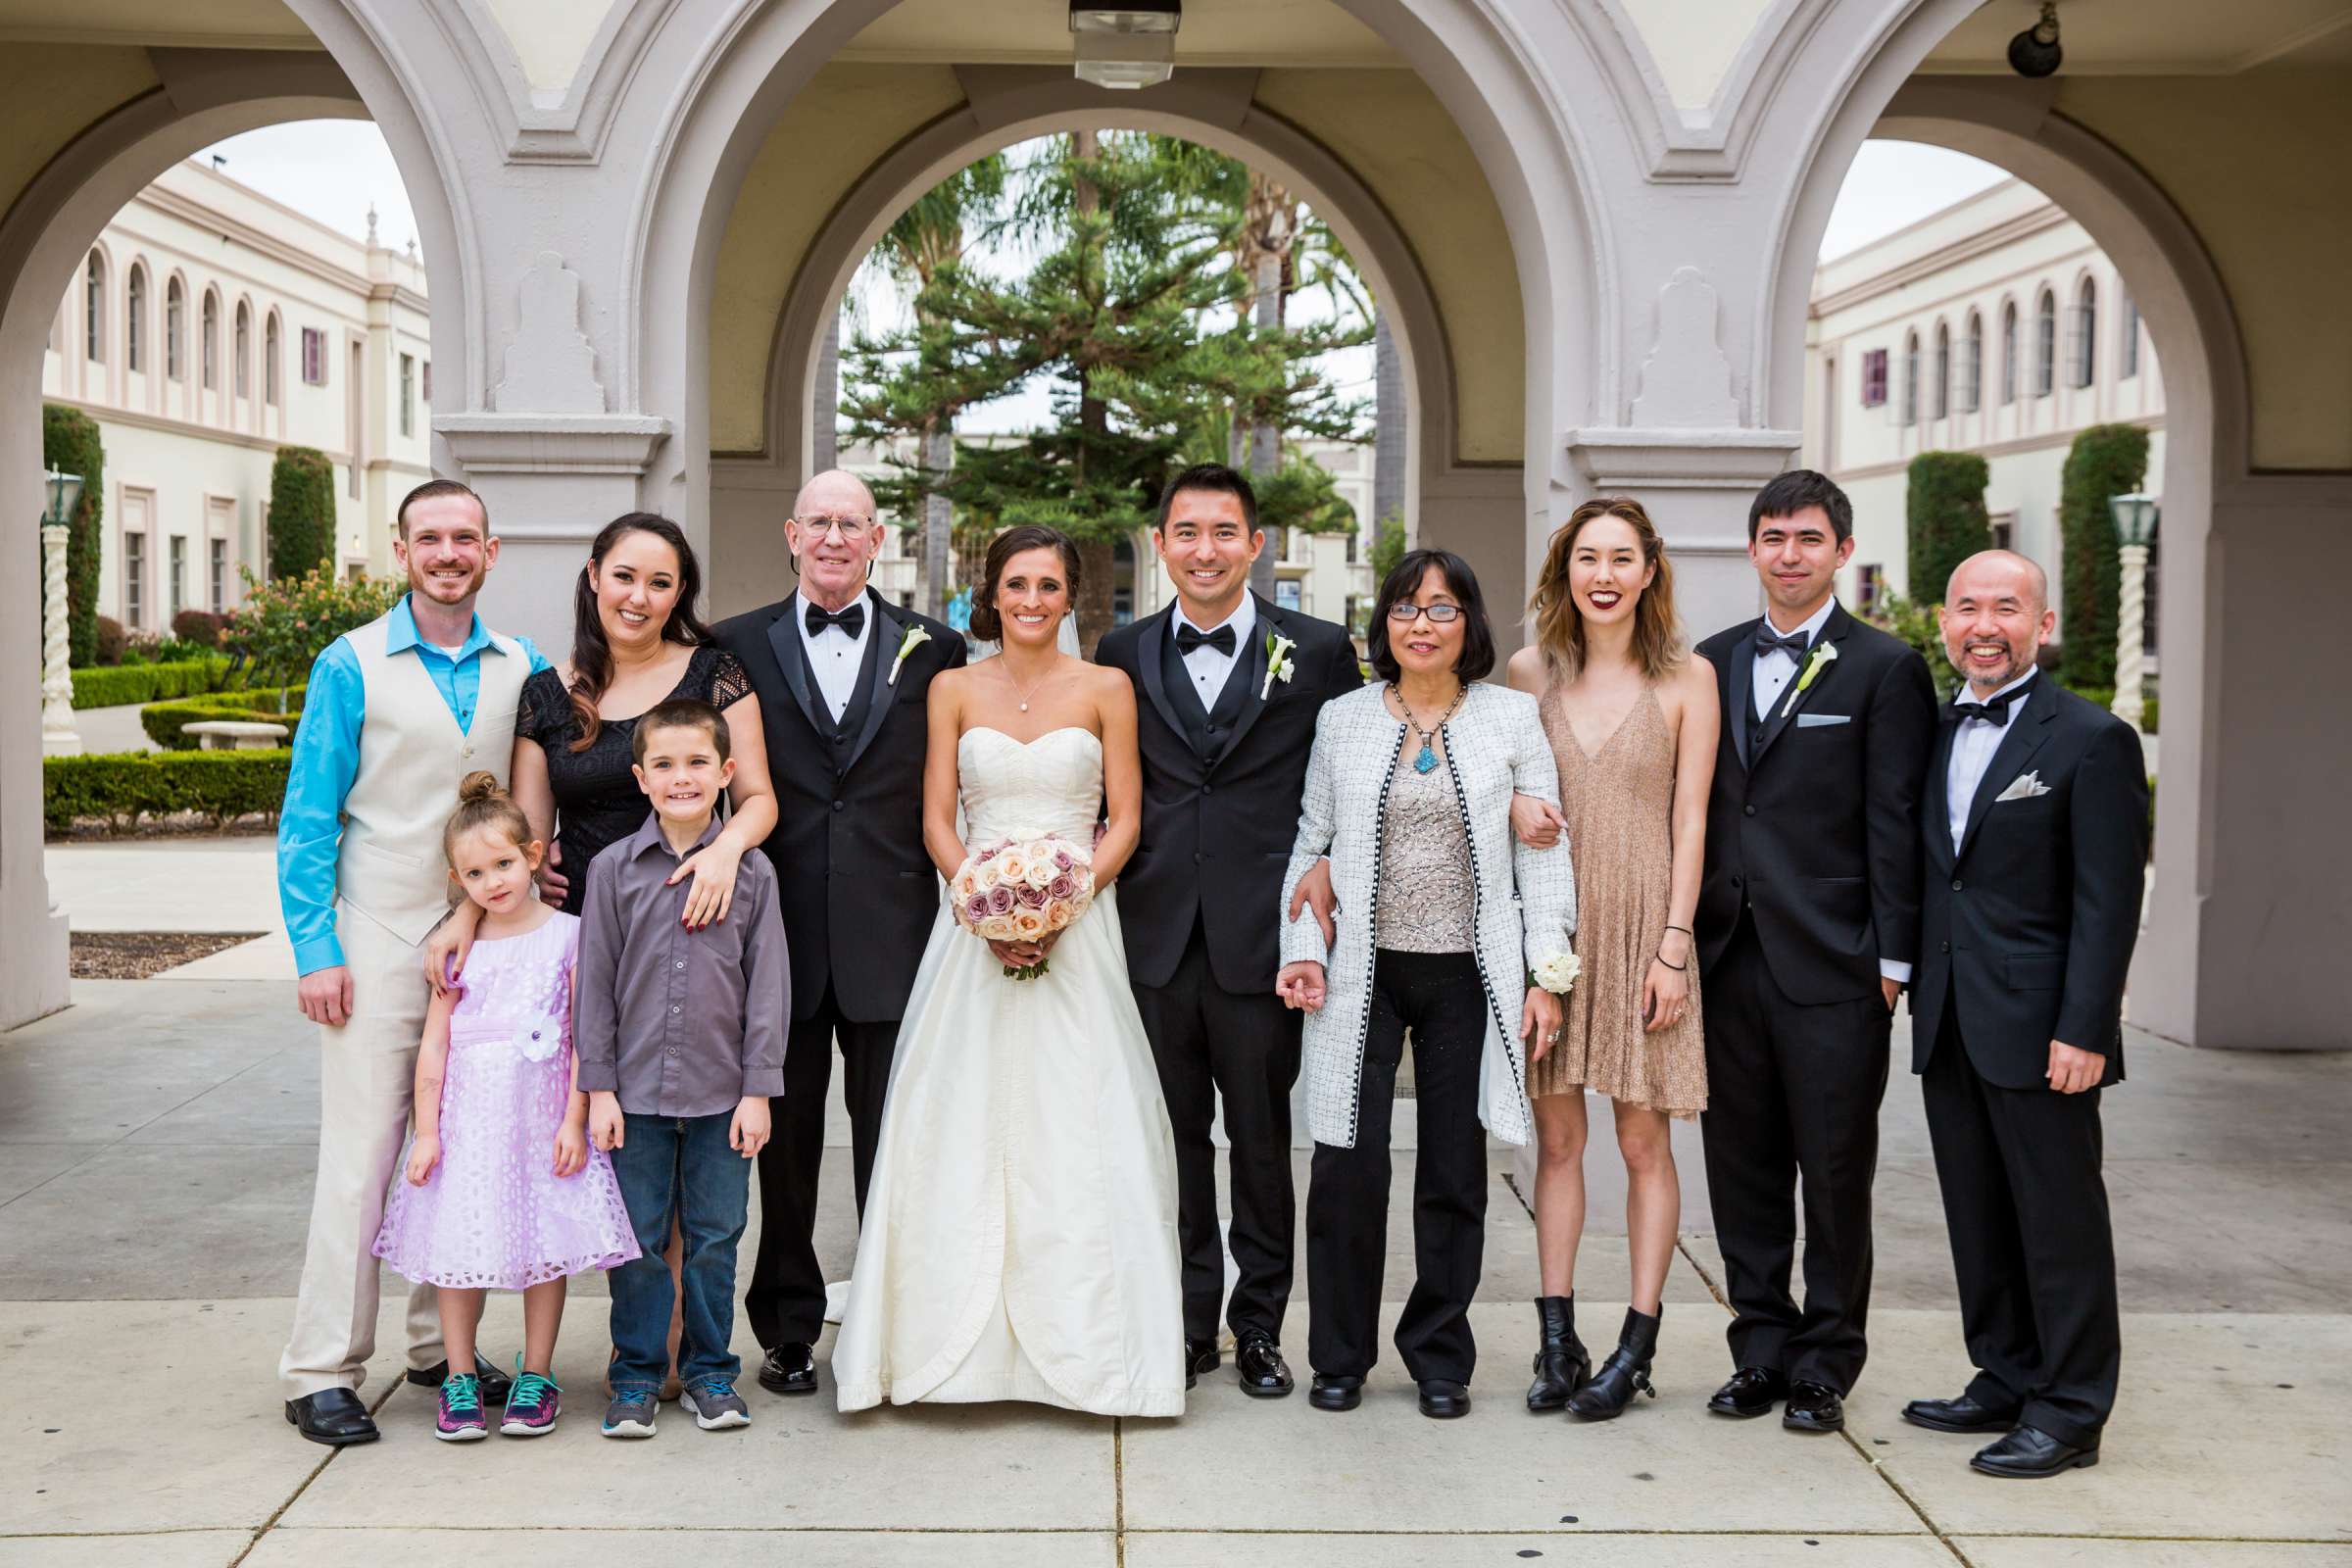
[
  {"x": 1199, "y": 1355},
  {"x": 332, "y": 1416},
  {"x": 1813, "y": 1407},
  {"x": 1264, "y": 1373},
  {"x": 2030, "y": 1453},
  {"x": 1443, "y": 1399},
  {"x": 789, "y": 1369},
  {"x": 1335, "y": 1393},
  {"x": 1964, "y": 1414},
  {"x": 496, "y": 1384},
  {"x": 1752, "y": 1392}
]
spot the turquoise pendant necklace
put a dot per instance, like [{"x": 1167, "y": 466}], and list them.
[{"x": 1427, "y": 760}]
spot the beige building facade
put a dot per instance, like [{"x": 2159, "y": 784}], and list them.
[
  {"x": 1593, "y": 230},
  {"x": 1995, "y": 326},
  {"x": 206, "y": 326}
]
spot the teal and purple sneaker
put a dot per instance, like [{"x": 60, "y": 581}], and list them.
[
  {"x": 532, "y": 1409},
  {"x": 460, "y": 1418}
]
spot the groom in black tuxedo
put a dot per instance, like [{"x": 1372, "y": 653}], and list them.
[
  {"x": 841, "y": 674},
  {"x": 1808, "y": 925},
  {"x": 2035, "y": 833},
  {"x": 1228, "y": 687}
]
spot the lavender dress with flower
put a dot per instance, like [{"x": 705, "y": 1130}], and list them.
[{"x": 493, "y": 1215}]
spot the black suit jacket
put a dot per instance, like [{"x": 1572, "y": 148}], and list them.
[
  {"x": 1813, "y": 819},
  {"x": 1217, "y": 829},
  {"x": 859, "y": 890},
  {"x": 2028, "y": 928}
]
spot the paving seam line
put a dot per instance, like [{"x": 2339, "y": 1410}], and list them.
[
  {"x": 1119, "y": 1492},
  {"x": 316, "y": 1470}
]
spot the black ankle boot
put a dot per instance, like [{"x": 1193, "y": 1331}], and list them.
[
  {"x": 1562, "y": 1364},
  {"x": 1626, "y": 1370}
]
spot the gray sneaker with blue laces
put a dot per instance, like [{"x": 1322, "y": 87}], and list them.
[
  {"x": 715, "y": 1405},
  {"x": 631, "y": 1414}
]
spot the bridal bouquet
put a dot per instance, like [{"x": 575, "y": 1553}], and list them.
[{"x": 1022, "y": 890}]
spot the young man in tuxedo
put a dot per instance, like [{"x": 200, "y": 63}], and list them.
[
  {"x": 2035, "y": 835},
  {"x": 1228, "y": 687},
  {"x": 841, "y": 675},
  {"x": 1808, "y": 925}
]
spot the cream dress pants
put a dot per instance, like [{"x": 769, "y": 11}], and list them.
[{"x": 367, "y": 1085}]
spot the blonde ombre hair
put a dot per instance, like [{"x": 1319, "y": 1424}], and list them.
[{"x": 1658, "y": 646}]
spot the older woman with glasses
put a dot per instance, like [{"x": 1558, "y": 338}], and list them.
[{"x": 1452, "y": 930}]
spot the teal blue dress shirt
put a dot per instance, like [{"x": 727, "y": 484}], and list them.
[{"x": 326, "y": 759}]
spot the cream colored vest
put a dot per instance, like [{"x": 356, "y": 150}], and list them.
[{"x": 411, "y": 755}]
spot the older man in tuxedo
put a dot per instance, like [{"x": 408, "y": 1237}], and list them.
[
  {"x": 841, "y": 674},
  {"x": 2036, "y": 851}
]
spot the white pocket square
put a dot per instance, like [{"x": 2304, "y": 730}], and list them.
[
  {"x": 1815, "y": 720},
  {"x": 2024, "y": 787}
]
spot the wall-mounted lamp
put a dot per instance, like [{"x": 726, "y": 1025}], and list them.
[{"x": 2034, "y": 52}]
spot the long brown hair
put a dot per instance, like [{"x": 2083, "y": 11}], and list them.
[
  {"x": 1658, "y": 646},
  {"x": 591, "y": 653}
]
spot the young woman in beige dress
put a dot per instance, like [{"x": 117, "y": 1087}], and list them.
[{"x": 1631, "y": 717}]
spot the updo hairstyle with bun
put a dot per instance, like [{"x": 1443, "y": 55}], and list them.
[{"x": 484, "y": 804}]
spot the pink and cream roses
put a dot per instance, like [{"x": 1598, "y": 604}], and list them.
[{"x": 1022, "y": 890}]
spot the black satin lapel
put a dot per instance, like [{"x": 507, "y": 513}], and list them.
[
  {"x": 784, "y": 639},
  {"x": 1147, "y": 664},
  {"x": 878, "y": 688},
  {"x": 1255, "y": 667},
  {"x": 1743, "y": 707},
  {"x": 2027, "y": 733}
]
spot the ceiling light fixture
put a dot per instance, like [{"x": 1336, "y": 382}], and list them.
[
  {"x": 2035, "y": 53},
  {"x": 1126, "y": 46}
]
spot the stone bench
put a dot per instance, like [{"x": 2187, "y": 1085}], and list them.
[{"x": 236, "y": 735}]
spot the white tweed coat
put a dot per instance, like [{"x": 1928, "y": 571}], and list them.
[{"x": 1525, "y": 899}]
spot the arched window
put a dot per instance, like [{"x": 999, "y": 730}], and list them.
[
  {"x": 2082, "y": 350},
  {"x": 93, "y": 312},
  {"x": 1972, "y": 366},
  {"x": 1907, "y": 411},
  {"x": 134, "y": 320},
  {"x": 208, "y": 350},
  {"x": 2045, "y": 344},
  {"x": 1940, "y": 391},
  {"x": 175, "y": 328},
  {"x": 2129, "y": 350},
  {"x": 272, "y": 377},
  {"x": 2009, "y": 350},
  {"x": 244, "y": 351}
]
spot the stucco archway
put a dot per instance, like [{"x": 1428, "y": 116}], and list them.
[{"x": 47, "y": 230}]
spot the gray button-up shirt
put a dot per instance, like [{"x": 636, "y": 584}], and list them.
[{"x": 680, "y": 1022}]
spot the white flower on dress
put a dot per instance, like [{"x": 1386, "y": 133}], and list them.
[{"x": 916, "y": 638}]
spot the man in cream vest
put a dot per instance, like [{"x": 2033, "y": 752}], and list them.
[{"x": 397, "y": 712}]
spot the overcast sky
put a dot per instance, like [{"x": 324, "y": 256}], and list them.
[{"x": 334, "y": 170}]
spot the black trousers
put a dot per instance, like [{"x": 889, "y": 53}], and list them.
[
  {"x": 2031, "y": 1244},
  {"x": 786, "y": 1299},
  {"x": 1793, "y": 1094},
  {"x": 1440, "y": 998},
  {"x": 1207, "y": 1044}
]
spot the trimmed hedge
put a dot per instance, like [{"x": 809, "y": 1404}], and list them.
[
  {"x": 164, "y": 722},
  {"x": 111, "y": 685},
  {"x": 2105, "y": 461},
  {"x": 120, "y": 790},
  {"x": 1944, "y": 510},
  {"x": 302, "y": 510},
  {"x": 71, "y": 444}
]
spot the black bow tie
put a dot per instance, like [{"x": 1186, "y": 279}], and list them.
[
  {"x": 1190, "y": 637},
  {"x": 1992, "y": 710},
  {"x": 1793, "y": 645},
  {"x": 850, "y": 618}
]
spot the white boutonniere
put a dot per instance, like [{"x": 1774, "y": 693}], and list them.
[
  {"x": 1278, "y": 662},
  {"x": 916, "y": 638},
  {"x": 1824, "y": 654},
  {"x": 1557, "y": 973}
]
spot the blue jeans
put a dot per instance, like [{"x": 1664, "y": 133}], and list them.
[{"x": 681, "y": 1166}]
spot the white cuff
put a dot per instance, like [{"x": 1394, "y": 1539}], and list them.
[{"x": 1899, "y": 973}]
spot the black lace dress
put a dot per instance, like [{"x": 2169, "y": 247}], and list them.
[{"x": 597, "y": 798}]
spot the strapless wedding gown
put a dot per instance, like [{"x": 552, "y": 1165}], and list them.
[{"x": 1020, "y": 1237}]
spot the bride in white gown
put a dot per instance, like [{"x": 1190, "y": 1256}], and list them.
[{"x": 1019, "y": 1235}]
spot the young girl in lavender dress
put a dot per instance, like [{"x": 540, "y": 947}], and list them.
[{"x": 502, "y": 1191}]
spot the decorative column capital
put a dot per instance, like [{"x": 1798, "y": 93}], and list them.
[{"x": 553, "y": 443}]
